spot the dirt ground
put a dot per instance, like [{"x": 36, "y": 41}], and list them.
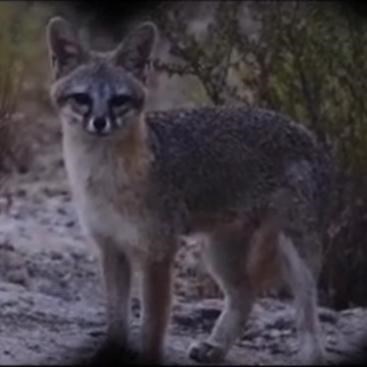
[{"x": 52, "y": 306}]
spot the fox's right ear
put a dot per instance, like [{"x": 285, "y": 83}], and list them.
[
  {"x": 135, "y": 51},
  {"x": 64, "y": 47}
]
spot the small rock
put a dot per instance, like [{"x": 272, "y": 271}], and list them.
[
  {"x": 18, "y": 276},
  {"x": 207, "y": 314},
  {"x": 47, "y": 191},
  {"x": 184, "y": 321},
  {"x": 56, "y": 255},
  {"x": 77, "y": 255},
  {"x": 7, "y": 246},
  {"x": 35, "y": 347},
  {"x": 327, "y": 315},
  {"x": 251, "y": 334},
  {"x": 258, "y": 341},
  {"x": 70, "y": 223},
  {"x": 274, "y": 333},
  {"x": 96, "y": 333},
  {"x": 282, "y": 323},
  {"x": 45, "y": 221},
  {"x": 61, "y": 210},
  {"x": 275, "y": 348},
  {"x": 16, "y": 214}
]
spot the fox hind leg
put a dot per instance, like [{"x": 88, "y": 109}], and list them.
[
  {"x": 229, "y": 273},
  {"x": 302, "y": 283}
]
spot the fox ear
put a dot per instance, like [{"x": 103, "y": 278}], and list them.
[
  {"x": 64, "y": 47},
  {"x": 134, "y": 53}
]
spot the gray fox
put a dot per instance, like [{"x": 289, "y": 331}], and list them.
[{"x": 249, "y": 183}]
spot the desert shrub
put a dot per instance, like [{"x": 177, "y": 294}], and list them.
[
  {"x": 21, "y": 29},
  {"x": 306, "y": 59}
]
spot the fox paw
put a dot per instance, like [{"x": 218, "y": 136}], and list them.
[{"x": 204, "y": 352}]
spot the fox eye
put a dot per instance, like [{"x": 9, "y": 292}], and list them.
[
  {"x": 82, "y": 99},
  {"x": 120, "y": 100}
]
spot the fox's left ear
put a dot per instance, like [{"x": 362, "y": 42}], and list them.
[
  {"x": 65, "y": 49},
  {"x": 134, "y": 53}
]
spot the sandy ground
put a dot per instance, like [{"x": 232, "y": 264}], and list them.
[{"x": 52, "y": 306}]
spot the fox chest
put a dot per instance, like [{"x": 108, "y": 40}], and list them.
[
  {"x": 122, "y": 220},
  {"x": 103, "y": 218},
  {"x": 111, "y": 208}
]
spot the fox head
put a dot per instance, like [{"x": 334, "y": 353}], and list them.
[{"x": 98, "y": 93}]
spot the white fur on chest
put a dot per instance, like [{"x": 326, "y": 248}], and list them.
[
  {"x": 96, "y": 203},
  {"x": 102, "y": 219}
]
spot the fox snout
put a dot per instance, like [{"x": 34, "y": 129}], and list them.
[{"x": 101, "y": 126}]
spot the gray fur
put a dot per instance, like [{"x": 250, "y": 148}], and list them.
[{"x": 254, "y": 184}]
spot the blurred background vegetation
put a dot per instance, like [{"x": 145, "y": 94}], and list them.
[{"x": 305, "y": 59}]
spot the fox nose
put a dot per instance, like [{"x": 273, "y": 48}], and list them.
[{"x": 99, "y": 123}]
